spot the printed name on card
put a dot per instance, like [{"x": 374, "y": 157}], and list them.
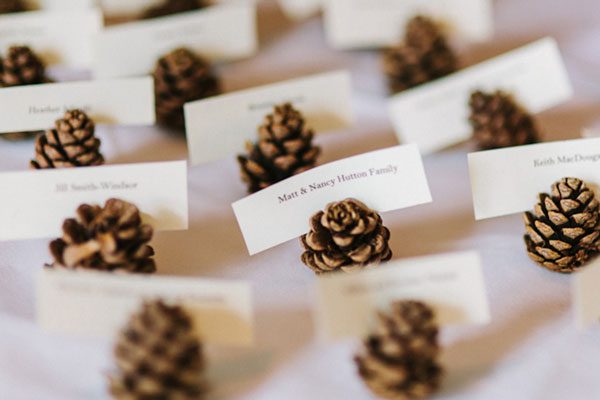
[
  {"x": 365, "y": 23},
  {"x": 453, "y": 284},
  {"x": 300, "y": 9},
  {"x": 100, "y": 304},
  {"x": 119, "y": 101},
  {"x": 217, "y": 33},
  {"x": 507, "y": 181},
  {"x": 586, "y": 296},
  {"x": 159, "y": 190},
  {"x": 385, "y": 180},
  {"x": 436, "y": 115},
  {"x": 58, "y": 37},
  {"x": 219, "y": 127}
]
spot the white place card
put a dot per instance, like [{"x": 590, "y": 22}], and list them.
[
  {"x": 66, "y": 4},
  {"x": 366, "y": 23},
  {"x": 385, "y": 180},
  {"x": 219, "y": 127},
  {"x": 453, "y": 284},
  {"x": 58, "y": 37},
  {"x": 300, "y": 9},
  {"x": 159, "y": 190},
  {"x": 221, "y": 32},
  {"x": 436, "y": 115},
  {"x": 119, "y": 101},
  {"x": 100, "y": 304},
  {"x": 586, "y": 296},
  {"x": 507, "y": 181}
]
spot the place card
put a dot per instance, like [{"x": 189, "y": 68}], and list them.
[
  {"x": 453, "y": 284},
  {"x": 35, "y": 203},
  {"x": 300, "y": 9},
  {"x": 100, "y": 304},
  {"x": 67, "y": 4},
  {"x": 385, "y": 180},
  {"x": 58, "y": 37},
  {"x": 436, "y": 115},
  {"x": 217, "y": 33},
  {"x": 507, "y": 181},
  {"x": 36, "y": 107},
  {"x": 219, "y": 127},
  {"x": 364, "y": 23},
  {"x": 586, "y": 296}
]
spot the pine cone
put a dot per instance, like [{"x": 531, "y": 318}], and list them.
[
  {"x": 109, "y": 238},
  {"x": 169, "y": 7},
  {"x": 11, "y": 6},
  {"x": 563, "y": 231},
  {"x": 158, "y": 356},
  {"x": 424, "y": 56},
  {"x": 71, "y": 143},
  {"x": 347, "y": 236},
  {"x": 399, "y": 359},
  {"x": 181, "y": 77},
  {"x": 498, "y": 121},
  {"x": 284, "y": 149}
]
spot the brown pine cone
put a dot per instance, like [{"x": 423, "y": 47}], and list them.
[
  {"x": 284, "y": 149},
  {"x": 563, "y": 231},
  {"x": 71, "y": 143},
  {"x": 158, "y": 356},
  {"x": 181, "y": 77},
  {"x": 11, "y": 6},
  {"x": 498, "y": 121},
  {"x": 399, "y": 360},
  {"x": 169, "y": 7},
  {"x": 109, "y": 238},
  {"x": 347, "y": 235},
  {"x": 424, "y": 56}
]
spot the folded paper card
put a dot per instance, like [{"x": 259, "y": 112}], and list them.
[
  {"x": 68, "y": 4},
  {"x": 453, "y": 284},
  {"x": 119, "y": 101},
  {"x": 586, "y": 296},
  {"x": 436, "y": 115},
  {"x": 59, "y": 37},
  {"x": 35, "y": 203},
  {"x": 218, "y": 127},
  {"x": 221, "y": 32},
  {"x": 384, "y": 180},
  {"x": 299, "y": 9},
  {"x": 365, "y": 23},
  {"x": 99, "y": 304},
  {"x": 507, "y": 181}
]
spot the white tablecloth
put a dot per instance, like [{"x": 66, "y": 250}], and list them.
[{"x": 530, "y": 350}]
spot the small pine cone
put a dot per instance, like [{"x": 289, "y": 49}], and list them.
[
  {"x": 169, "y": 7},
  {"x": 109, "y": 238},
  {"x": 347, "y": 235},
  {"x": 399, "y": 360},
  {"x": 563, "y": 231},
  {"x": 11, "y": 6},
  {"x": 181, "y": 77},
  {"x": 498, "y": 121},
  {"x": 424, "y": 56},
  {"x": 284, "y": 149},
  {"x": 71, "y": 143},
  {"x": 22, "y": 66},
  {"x": 158, "y": 356}
]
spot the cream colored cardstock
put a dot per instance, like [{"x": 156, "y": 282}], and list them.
[
  {"x": 35, "y": 203},
  {"x": 219, "y": 127},
  {"x": 115, "y": 102},
  {"x": 367, "y": 23},
  {"x": 58, "y": 37},
  {"x": 586, "y": 296},
  {"x": 385, "y": 180},
  {"x": 300, "y": 9},
  {"x": 99, "y": 304},
  {"x": 507, "y": 181},
  {"x": 436, "y": 115},
  {"x": 218, "y": 33},
  {"x": 453, "y": 284}
]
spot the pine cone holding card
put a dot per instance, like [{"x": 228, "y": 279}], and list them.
[
  {"x": 169, "y": 7},
  {"x": 563, "y": 231},
  {"x": 284, "y": 148},
  {"x": 158, "y": 356},
  {"x": 71, "y": 143},
  {"x": 109, "y": 238},
  {"x": 399, "y": 360},
  {"x": 346, "y": 236},
  {"x": 424, "y": 56},
  {"x": 498, "y": 121},
  {"x": 11, "y": 6},
  {"x": 181, "y": 77}
]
